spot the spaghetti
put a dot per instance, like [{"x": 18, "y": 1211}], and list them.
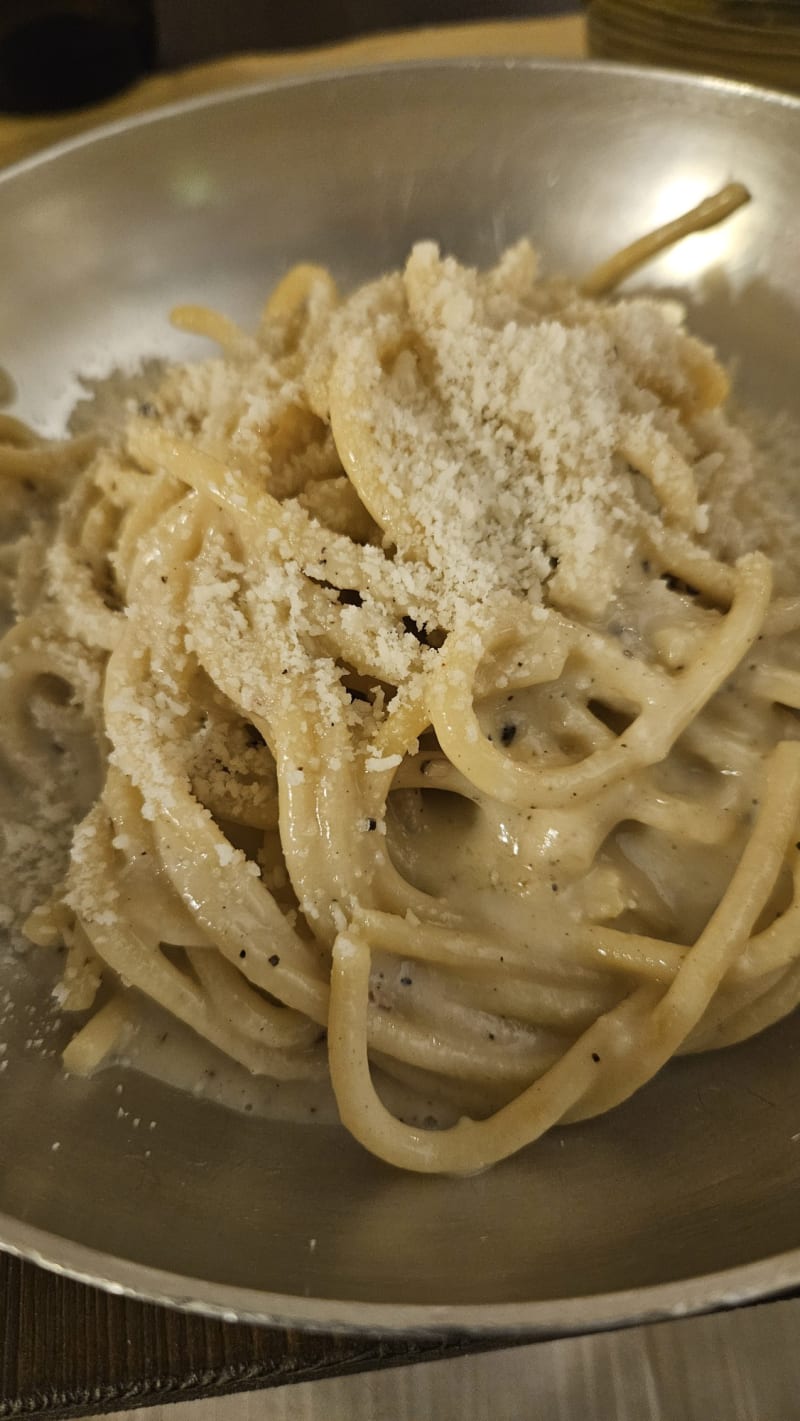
[{"x": 440, "y": 702}]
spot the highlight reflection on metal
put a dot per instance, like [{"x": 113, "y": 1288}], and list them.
[
  {"x": 193, "y": 187},
  {"x": 698, "y": 1177},
  {"x": 686, "y": 262}
]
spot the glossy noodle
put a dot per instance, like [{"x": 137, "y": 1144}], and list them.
[{"x": 428, "y": 697}]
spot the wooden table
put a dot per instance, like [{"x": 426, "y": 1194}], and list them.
[{"x": 66, "y": 1349}]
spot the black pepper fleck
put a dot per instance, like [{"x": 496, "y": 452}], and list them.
[
  {"x": 508, "y": 732},
  {"x": 273, "y": 960}
]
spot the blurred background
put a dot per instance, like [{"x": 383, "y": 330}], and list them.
[{"x": 61, "y": 54}]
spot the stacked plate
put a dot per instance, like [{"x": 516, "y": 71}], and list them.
[{"x": 753, "y": 40}]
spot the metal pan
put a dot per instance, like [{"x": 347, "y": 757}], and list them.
[{"x": 686, "y": 1198}]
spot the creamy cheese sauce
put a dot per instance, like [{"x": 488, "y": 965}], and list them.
[{"x": 408, "y": 764}]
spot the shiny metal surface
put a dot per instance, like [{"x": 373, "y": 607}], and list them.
[{"x": 688, "y": 1196}]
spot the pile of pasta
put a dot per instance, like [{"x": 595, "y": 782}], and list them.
[{"x": 430, "y": 713}]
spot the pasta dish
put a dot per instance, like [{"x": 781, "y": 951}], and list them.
[{"x": 421, "y": 674}]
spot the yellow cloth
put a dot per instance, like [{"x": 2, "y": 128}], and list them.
[{"x": 563, "y": 38}]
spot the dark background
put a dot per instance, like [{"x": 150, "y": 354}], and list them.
[
  {"x": 61, "y": 54},
  {"x": 221, "y": 26}
]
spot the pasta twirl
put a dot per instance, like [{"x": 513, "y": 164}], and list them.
[{"x": 438, "y": 690}]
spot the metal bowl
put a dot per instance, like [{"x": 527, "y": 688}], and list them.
[{"x": 688, "y": 1196}]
